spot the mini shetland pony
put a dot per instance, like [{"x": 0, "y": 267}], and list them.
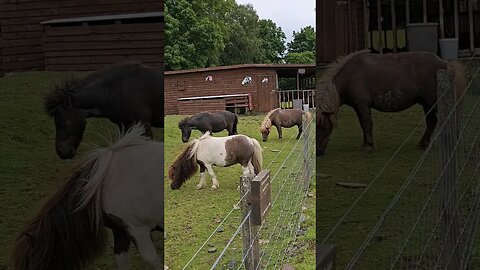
[
  {"x": 220, "y": 151},
  {"x": 120, "y": 187},
  {"x": 388, "y": 83},
  {"x": 283, "y": 118},
  {"x": 125, "y": 93},
  {"x": 205, "y": 121}
]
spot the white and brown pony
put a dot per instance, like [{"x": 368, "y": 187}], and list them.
[
  {"x": 283, "y": 118},
  {"x": 219, "y": 151},
  {"x": 120, "y": 187}
]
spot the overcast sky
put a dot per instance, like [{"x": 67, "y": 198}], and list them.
[{"x": 289, "y": 15}]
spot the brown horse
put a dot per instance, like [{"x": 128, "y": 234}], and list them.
[
  {"x": 387, "y": 83},
  {"x": 283, "y": 118}
]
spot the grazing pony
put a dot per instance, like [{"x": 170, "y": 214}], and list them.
[
  {"x": 205, "y": 121},
  {"x": 124, "y": 93},
  {"x": 283, "y": 118},
  {"x": 388, "y": 83},
  {"x": 220, "y": 151},
  {"x": 120, "y": 187}
]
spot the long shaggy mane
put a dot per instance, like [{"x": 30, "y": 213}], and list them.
[
  {"x": 58, "y": 97},
  {"x": 267, "y": 123},
  {"x": 327, "y": 98}
]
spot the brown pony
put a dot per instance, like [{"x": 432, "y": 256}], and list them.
[
  {"x": 388, "y": 83},
  {"x": 283, "y": 118}
]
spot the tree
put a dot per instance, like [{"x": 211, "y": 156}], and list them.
[
  {"x": 242, "y": 45},
  {"x": 194, "y": 32},
  {"x": 307, "y": 57},
  {"x": 302, "y": 41},
  {"x": 272, "y": 41}
]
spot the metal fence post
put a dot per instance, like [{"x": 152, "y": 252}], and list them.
[
  {"x": 251, "y": 249},
  {"x": 448, "y": 191}
]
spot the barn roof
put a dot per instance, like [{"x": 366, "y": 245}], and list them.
[
  {"x": 143, "y": 15},
  {"x": 280, "y": 68}
]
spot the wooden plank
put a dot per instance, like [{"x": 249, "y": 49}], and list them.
[
  {"x": 455, "y": 17},
  {"x": 20, "y": 28},
  {"x": 470, "y": 22},
  {"x": 394, "y": 25},
  {"x": 108, "y": 9},
  {"x": 102, "y": 59},
  {"x": 100, "y": 45},
  {"x": 105, "y": 29},
  {"x": 135, "y": 51},
  {"x": 441, "y": 18},
  {"x": 379, "y": 25},
  {"x": 22, "y": 66},
  {"x": 425, "y": 19},
  {"x": 32, "y": 13},
  {"x": 21, "y": 49},
  {"x": 105, "y": 37},
  {"x": 21, "y": 35},
  {"x": 23, "y": 57},
  {"x": 37, "y": 5},
  {"x": 21, "y": 42}
]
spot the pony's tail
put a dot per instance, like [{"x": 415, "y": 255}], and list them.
[
  {"x": 308, "y": 117},
  {"x": 63, "y": 236},
  {"x": 185, "y": 166},
  {"x": 235, "y": 122},
  {"x": 460, "y": 83},
  {"x": 257, "y": 159},
  {"x": 459, "y": 77}
]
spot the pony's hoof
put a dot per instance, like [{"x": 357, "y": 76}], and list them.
[
  {"x": 214, "y": 186},
  {"x": 368, "y": 148},
  {"x": 198, "y": 187}
]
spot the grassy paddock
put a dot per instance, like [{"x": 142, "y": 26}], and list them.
[
  {"x": 192, "y": 215},
  {"x": 28, "y": 164}
]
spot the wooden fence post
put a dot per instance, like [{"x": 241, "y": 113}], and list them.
[
  {"x": 448, "y": 189},
  {"x": 251, "y": 248}
]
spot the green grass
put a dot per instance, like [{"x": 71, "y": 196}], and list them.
[
  {"x": 192, "y": 215},
  {"x": 28, "y": 164}
]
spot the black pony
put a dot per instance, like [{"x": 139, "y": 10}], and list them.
[
  {"x": 125, "y": 93},
  {"x": 205, "y": 121}
]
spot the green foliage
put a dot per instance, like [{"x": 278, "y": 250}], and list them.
[
  {"x": 307, "y": 57},
  {"x": 272, "y": 41},
  {"x": 203, "y": 33},
  {"x": 302, "y": 41}
]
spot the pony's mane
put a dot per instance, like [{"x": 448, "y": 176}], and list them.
[
  {"x": 328, "y": 99},
  {"x": 267, "y": 123},
  {"x": 59, "y": 97},
  {"x": 100, "y": 158},
  {"x": 183, "y": 122}
]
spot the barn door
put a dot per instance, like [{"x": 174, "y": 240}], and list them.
[
  {"x": 266, "y": 93},
  {"x": 345, "y": 27}
]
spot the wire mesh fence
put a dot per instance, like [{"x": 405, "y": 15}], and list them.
[
  {"x": 290, "y": 180},
  {"x": 431, "y": 215}
]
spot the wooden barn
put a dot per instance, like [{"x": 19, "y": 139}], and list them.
[
  {"x": 239, "y": 88},
  {"x": 385, "y": 26},
  {"x": 79, "y": 35}
]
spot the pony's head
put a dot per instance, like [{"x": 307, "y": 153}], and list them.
[
  {"x": 69, "y": 121},
  {"x": 326, "y": 116},
  {"x": 185, "y": 128},
  {"x": 266, "y": 125}
]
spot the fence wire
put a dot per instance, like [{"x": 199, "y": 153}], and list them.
[
  {"x": 430, "y": 220},
  {"x": 277, "y": 235}
]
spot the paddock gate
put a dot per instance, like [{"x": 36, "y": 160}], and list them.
[
  {"x": 431, "y": 221},
  {"x": 269, "y": 245}
]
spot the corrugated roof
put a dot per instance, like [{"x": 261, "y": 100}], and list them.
[
  {"x": 106, "y": 18},
  {"x": 271, "y": 66}
]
